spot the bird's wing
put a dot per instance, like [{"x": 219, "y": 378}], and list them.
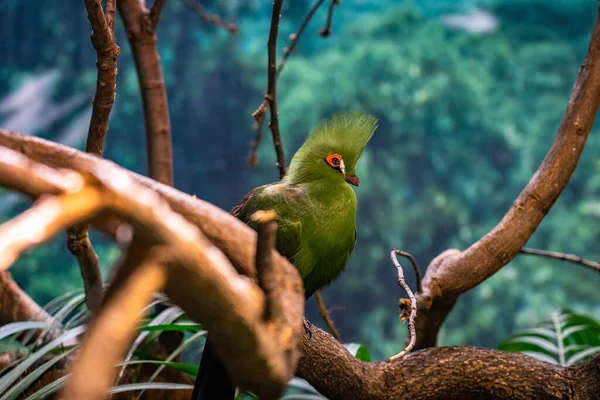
[{"x": 280, "y": 198}]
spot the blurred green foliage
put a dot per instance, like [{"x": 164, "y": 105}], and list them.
[{"x": 465, "y": 121}]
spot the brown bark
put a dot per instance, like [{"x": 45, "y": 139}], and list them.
[
  {"x": 444, "y": 373},
  {"x": 142, "y": 38},
  {"x": 454, "y": 272},
  {"x": 107, "y": 51},
  {"x": 259, "y": 351}
]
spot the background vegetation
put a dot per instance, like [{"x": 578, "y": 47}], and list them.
[{"x": 466, "y": 117}]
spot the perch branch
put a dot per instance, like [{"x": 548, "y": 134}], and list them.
[
  {"x": 142, "y": 38},
  {"x": 573, "y": 258},
  {"x": 442, "y": 373},
  {"x": 211, "y": 19},
  {"x": 413, "y": 306},
  {"x": 454, "y": 272},
  {"x": 326, "y": 31},
  {"x": 110, "y": 12},
  {"x": 263, "y": 355},
  {"x": 326, "y": 317}
]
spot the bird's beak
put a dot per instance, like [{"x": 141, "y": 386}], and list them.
[{"x": 352, "y": 179}]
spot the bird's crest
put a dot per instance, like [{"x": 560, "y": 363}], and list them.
[{"x": 347, "y": 133}]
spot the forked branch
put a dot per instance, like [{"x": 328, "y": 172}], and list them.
[{"x": 454, "y": 272}]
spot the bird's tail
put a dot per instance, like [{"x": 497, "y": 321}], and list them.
[{"x": 212, "y": 381}]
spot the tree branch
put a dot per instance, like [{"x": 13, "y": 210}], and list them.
[
  {"x": 107, "y": 51},
  {"x": 259, "y": 353},
  {"x": 413, "y": 305},
  {"x": 573, "y": 258},
  {"x": 326, "y": 31},
  {"x": 155, "y": 12},
  {"x": 142, "y": 38},
  {"x": 211, "y": 19},
  {"x": 270, "y": 96},
  {"x": 326, "y": 317},
  {"x": 454, "y": 272},
  {"x": 442, "y": 373}
]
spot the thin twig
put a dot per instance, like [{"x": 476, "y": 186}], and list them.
[
  {"x": 413, "y": 307},
  {"x": 296, "y": 36},
  {"x": 259, "y": 113},
  {"x": 270, "y": 96},
  {"x": 211, "y": 19},
  {"x": 326, "y": 31},
  {"x": 562, "y": 256},
  {"x": 107, "y": 51},
  {"x": 415, "y": 268},
  {"x": 325, "y": 315},
  {"x": 155, "y": 12}
]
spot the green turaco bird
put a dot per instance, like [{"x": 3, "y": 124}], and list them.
[{"x": 316, "y": 216}]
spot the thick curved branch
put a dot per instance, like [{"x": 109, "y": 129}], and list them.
[
  {"x": 259, "y": 351},
  {"x": 443, "y": 373},
  {"x": 454, "y": 272},
  {"x": 140, "y": 26}
]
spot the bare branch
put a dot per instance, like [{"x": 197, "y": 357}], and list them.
[
  {"x": 259, "y": 113},
  {"x": 296, "y": 36},
  {"x": 573, "y": 258},
  {"x": 107, "y": 52},
  {"x": 270, "y": 96},
  {"x": 142, "y": 38},
  {"x": 155, "y": 12},
  {"x": 211, "y": 19},
  {"x": 413, "y": 306},
  {"x": 325, "y": 315},
  {"x": 415, "y": 266},
  {"x": 454, "y": 272},
  {"x": 326, "y": 31}
]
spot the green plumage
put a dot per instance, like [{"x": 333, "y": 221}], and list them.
[
  {"x": 316, "y": 216},
  {"x": 315, "y": 205}
]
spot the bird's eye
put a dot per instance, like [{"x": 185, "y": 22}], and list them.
[{"x": 334, "y": 160}]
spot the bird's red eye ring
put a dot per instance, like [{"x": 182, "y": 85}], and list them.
[{"x": 334, "y": 160}]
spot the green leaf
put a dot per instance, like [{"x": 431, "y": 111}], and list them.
[
  {"x": 301, "y": 384},
  {"x": 538, "y": 342},
  {"x": 150, "y": 386},
  {"x": 359, "y": 351},
  {"x": 583, "y": 355},
  {"x": 50, "y": 388},
  {"x": 540, "y": 356},
  {"x": 16, "y": 327},
  {"x": 185, "y": 327}
]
